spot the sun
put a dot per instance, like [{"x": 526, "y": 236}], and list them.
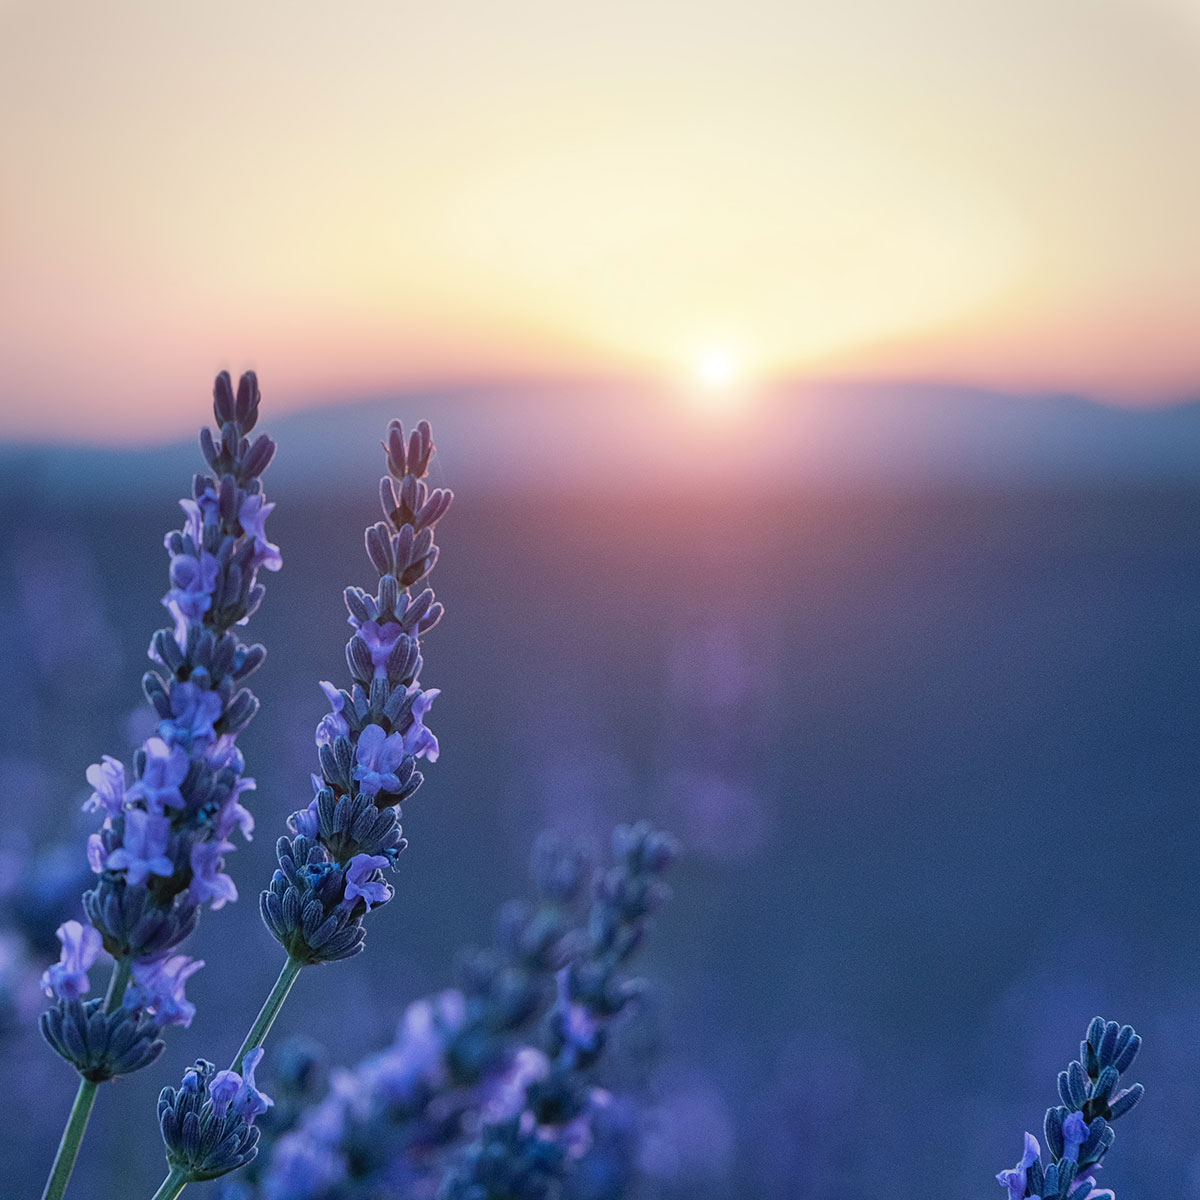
[
  {"x": 717, "y": 380},
  {"x": 717, "y": 369}
]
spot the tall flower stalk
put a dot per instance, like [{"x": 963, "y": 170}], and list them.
[
  {"x": 332, "y": 864},
  {"x": 159, "y": 853}
]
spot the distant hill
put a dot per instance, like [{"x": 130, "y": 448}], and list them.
[{"x": 597, "y": 437}]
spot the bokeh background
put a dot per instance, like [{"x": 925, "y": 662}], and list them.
[{"x": 821, "y": 389}]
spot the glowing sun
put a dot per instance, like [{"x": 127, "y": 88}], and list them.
[{"x": 717, "y": 369}]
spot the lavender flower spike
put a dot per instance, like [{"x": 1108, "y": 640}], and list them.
[
  {"x": 158, "y": 853},
  {"x": 1078, "y": 1132},
  {"x": 205, "y": 1132},
  {"x": 369, "y": 743}
]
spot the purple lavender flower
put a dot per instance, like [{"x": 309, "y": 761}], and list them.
[
  {"x": 193, "y": 712},
  {"x": 229, "y": 1089},
  {"x": 359, "y": 885},
  {"x": 305, "y": 823},
  {"x": 107, "y": 778},
  {"x": 417, "y": 1057},
  {"x": 302, "y": 1168},
  {"x": 333, "y": 725},
  {"x": 158, "y": 987},
  {"x": 193, "y": 581},
  {"x": 368, "y": 742},
  {"x": 207, "y": 859},
  {"x": 580, "y": 1029},
  {"x": 419, "y": 741},
  {"x": 95, "y": 852},
  {"x": 166, "y": 768},
  {"x": 232, "y": 813},
  {"x": 144, "y": 852},
  {"x": 378, "y": 756},
  {"x": 503, "y": 1096},
  {"x": 67, "y": 979},
  {"x": 224, "y": 755},
  {"x": 184, "y": 803},
  {"x": 1075, "y": 1131},
  {"x": 1075, "y": 1144},
  {"x": 252, "y": 517},
  {"x": 380, "y": 639},
  {"x": 1014, "y": 1179},
  {"x": 204, "y": 510}
]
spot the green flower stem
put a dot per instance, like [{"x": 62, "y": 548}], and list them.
[
  {"x": 176, "y": 1179},
  {"x": 85, "y": 1097},
  {"x": 268, "y": 1012},
  {"x": 170, "y": 1187}
]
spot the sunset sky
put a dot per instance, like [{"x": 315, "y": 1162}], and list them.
[{"x": 367, "y": 197}]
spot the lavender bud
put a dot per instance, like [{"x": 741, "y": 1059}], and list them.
[
  {"x": 224, "y": 409},
  {"x": 101, "y": 1045}
]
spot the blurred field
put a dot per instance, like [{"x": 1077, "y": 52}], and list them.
[{"x": 932, "y": 754}]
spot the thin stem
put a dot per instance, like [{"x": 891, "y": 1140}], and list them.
[
  {"x": 68, "y": 1147},
  {"x": 269, "y": 1011},
  {"x": 170, "y": 1187},
  {"x": 85, "y": 1097},
  {"x": 117, "y": 984}
]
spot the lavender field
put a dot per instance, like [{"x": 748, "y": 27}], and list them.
[{"x": 929, "y": 752}]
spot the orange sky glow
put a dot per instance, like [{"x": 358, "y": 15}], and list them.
[{"x": 382, "y": 195}]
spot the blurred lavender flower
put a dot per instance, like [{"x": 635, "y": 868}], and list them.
[
  {"x": 528, "y": 1155},
  {"x": 491, "y": 1078},
  {"x": 1078, "y": 1133},
  {"x": 39, "y": 896}
]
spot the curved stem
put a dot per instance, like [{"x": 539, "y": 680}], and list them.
[
  {"x": 85, "y": 1097},
  {"x": 269, "y": 1011},
  {"x": 170, "y": 1187}
]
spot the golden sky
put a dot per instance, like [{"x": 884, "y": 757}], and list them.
[{"x": 368, "y": 196}]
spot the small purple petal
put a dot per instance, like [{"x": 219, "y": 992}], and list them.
[
  {"x": 358, "y": 884},
  {"x": 67, "y": 979},
  {"x": 108, "y": 783}
]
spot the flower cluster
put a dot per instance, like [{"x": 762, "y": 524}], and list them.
[
  {"x": 542, "y": 1123},
  {"x": 331, "y": 868},
  {"x": 158, "y": 856},
  {"x": 488, "y": 1081},
  {"x": 207, "y": 1123},
  {"x": 1078, "y": 1133},
  {"x": 330, "y": 872}
]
